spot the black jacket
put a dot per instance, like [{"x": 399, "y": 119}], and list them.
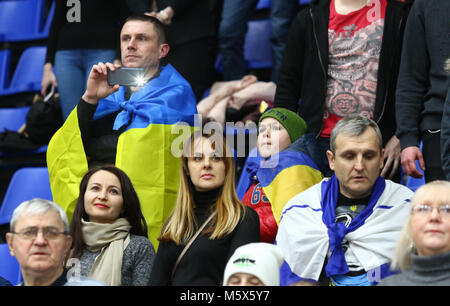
[
  {"x": 98, "y": 28},
  {"x": 422, "y": 83},
  {"x": 445, "y": 135},
  {"x": 192, "y": 20},
  {"x": 303, "y": 73}
]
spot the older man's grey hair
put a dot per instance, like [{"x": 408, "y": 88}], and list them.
[
  {"x": 354, "y": 125},
  {"x": 38, "y": 207}
]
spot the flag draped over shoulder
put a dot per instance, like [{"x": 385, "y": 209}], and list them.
[
  {"x": 143, "y": 149},
  {"x": 288, "y": 173},
  {"x": 309, "y": 234}
]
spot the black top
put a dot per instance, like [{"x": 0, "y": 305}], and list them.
[
  {"x": 99, "y": 138},
  {"x": 422, "y": 81},
  {"x": 347, "y": 209},
  {"x": 94, "y": 24},
  {"x": 192, "y": 20},
  {"x": 204, "y": 262},
  {"x": 60, "y": 281}
]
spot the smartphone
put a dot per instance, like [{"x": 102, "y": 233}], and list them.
[{"x": 126, "y": 77}]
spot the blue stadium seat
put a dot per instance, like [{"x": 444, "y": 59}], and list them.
[
  {"x": 264, "y": 4},
  {"x": 5, "y": 61},
  {"x": 21, "y": 20},
  {"x": 48, "y": 21},
  {"x": 9, "y": 266},
  {"x": 25, "y": 184},
  {"x": 414, "y": 183},
  {"x": 257, "y": 47},
  {"x": 28, "y": 73},
  {"x": 13, "y": 118},
  {"x": 304, "y": 2}
]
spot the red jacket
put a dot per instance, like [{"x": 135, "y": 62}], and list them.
[{"x": 256, "y": 199}]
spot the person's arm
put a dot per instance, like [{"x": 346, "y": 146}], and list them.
[
  {"x": 247, "y": 231},
  {"x": 223, "y": 90},
  {"x": 411, "y": 88},
  {"x": 167, "y": 10},
  {"x": 289, "y": 83},
  {"x": 258, "y": 91},
  {"x": 391, "y": 158},
  {"x": 162, "y": 266},
  {"x": 176, "y": 6},
  {"x": 97, "y": 86},
  {"x": 85, "y": 113},
  {"x": 48, "y": 77},
  {"x": 445, "y": 136},
  {"x": 143, "y": 263}
]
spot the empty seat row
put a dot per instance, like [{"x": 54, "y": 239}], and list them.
[
  {"x": 27, "y": 74},
  {"x": 24, "y": 20}
]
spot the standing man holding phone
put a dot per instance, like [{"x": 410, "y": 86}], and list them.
[{"x": 128, "y": 126}]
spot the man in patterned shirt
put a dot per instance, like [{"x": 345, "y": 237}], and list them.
[{"x": 342, "y": 57}]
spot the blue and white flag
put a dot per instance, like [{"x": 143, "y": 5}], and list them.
[{"x": 308, "y": 233}]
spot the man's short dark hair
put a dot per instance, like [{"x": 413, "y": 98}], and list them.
[{"x": 158, "y": 26}]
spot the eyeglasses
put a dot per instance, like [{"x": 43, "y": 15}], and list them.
[
  {"x": 424, "y": 209},
  {"x": 49, "y": 233}
]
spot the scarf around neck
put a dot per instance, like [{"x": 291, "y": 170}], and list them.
[
  {"x": 308, "y": 234},
  {"x": 336, "y": 230},
  {"x": 111, "y": 239}
]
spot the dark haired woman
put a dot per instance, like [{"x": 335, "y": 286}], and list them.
[
  {"x": 206, "y": 197},
  {"x": 109, "y": 231}
]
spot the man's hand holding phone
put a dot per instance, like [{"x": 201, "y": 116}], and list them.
[{"x": 97, "y": 86}]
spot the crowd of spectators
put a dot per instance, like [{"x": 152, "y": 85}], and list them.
[{"x": 356, "y": 87}]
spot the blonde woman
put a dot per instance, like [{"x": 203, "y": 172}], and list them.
[
  {"x": 206, "y": 193},
  {"x": 423, "y": 250}
]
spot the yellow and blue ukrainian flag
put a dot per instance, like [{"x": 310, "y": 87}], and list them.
[
  {"x": 288, "y": 173},
  {"x": 144, "y": 149}
]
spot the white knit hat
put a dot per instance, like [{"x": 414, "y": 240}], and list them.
[{"x": 261, "y": 259}]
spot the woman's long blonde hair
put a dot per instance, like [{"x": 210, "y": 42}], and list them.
[{"x": 181, "y": 225}]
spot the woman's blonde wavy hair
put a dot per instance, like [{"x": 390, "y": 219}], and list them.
[
  {"x": 405, "y": 244},
  {"x": 182, "y": 224}
]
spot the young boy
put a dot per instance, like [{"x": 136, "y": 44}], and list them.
[{"x": 278, "y": 128}]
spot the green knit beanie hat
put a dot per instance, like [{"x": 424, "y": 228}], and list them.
[{"x": 293, "y": 123}]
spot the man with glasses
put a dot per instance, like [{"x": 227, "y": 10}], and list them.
[{"x": 39, "y": 239}]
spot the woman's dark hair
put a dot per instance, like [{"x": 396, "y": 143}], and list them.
[{"x": 131, "y": 208}]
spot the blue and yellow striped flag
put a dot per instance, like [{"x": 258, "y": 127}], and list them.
[{"x": 286, "y": 174}]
